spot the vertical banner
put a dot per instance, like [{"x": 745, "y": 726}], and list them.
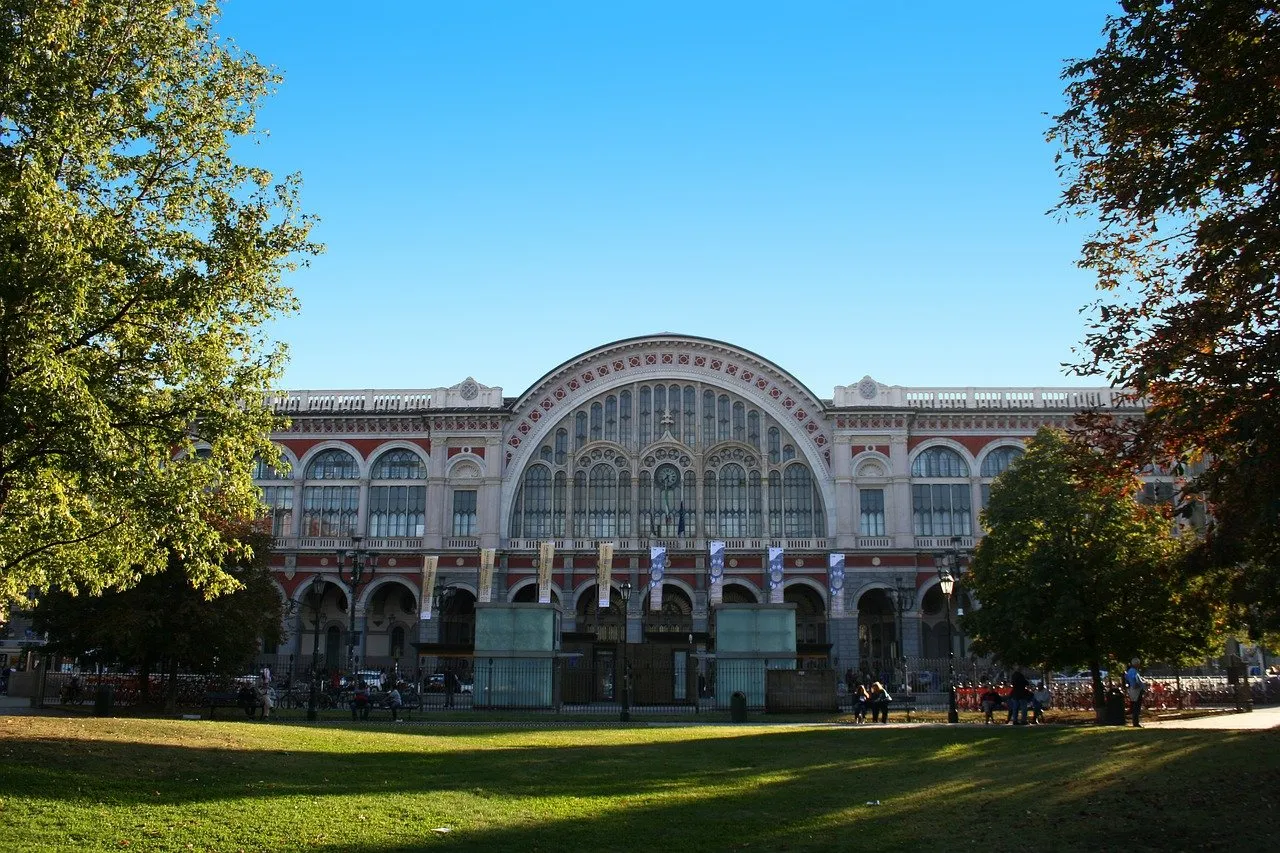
[
  {"x": 657, "y": 571},
  {"x": 835, "y": 583},
  {"x": 487, "y": 556},
  {"x": 429, "y": 565},
  {"x": 604, "y": 571},
  {"x": 775, "y": 575},
  {"x": 546, "y": 561},
  {"x": 716, "y": 573}
]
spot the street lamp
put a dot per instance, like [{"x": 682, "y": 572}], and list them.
[
  {"x": 949, "y": 564},
  {"x": 363, "y": 566},
  {"x": 317, "y": 597},
  {"x": 625, "y": 715}
]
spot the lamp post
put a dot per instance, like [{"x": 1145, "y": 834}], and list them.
[
  {"x": 949, "y": 565},
  {"x": 317, "y": 597},
  {"x": 363, "y": 566},
  {"x": 625, "y": 715}
]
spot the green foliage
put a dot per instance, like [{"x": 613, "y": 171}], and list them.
[
  {"x": 164, "y": 618},
  {"x": 1074, "y": 571},
  {"x": 1169, "y": 143},
  {"x": 138, "y": 264}
]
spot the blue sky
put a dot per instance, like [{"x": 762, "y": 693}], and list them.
[{"x": 845, "y": 188}]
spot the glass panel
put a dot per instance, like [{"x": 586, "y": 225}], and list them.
[
  {"x": 611, "y": 418},
  {"x": 624, "y": 503},
  {"x": 399, "y": 465},
  {"x": 597, "y": 421},
  {"x": 722, "y": 418},
  {"x": 559, "y": 509},
  {"x": 562, "y": 445},
  {"x": 330, "y": 510},
  {"x": 579, "y": 430},
  {"x": 775, "y": 446},
  {"x": 646, "y": 415},
  {"x": 708, "y": 418},
  {"x": 755, "y": 520},
  {"x": 999, "y": 460},
  {"x": 739, "y": 421},
  {"x": 333, "y": 464},
  {"x": 580, "y": 503},
  {"x": 753, "y": 429},
  {"x": 624, "y": 418},
  {"x": 939, "y": 462},
  {"x": 464, "y": 513},
  {"x": 733, "y": 500},
  {"x": 871, "y": 504},
  {"x": 690, "y": 416}
]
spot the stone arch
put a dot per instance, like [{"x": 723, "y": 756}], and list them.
[
  {"x": 516, "y": 592},
  {"x": 465, "y": 466},
  {"x": 950, "y": 444},
  {"x": 398, "y": 444},
  {"x": 757, "y": 595},
  {"x": 669, "y": 358}
]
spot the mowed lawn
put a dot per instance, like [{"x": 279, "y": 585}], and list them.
[{"x": 126, "y": 784}]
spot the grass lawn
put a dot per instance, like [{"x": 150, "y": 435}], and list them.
[{"x": 113, "y": 784}]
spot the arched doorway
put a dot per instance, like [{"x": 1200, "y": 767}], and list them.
[
  {"x": 812, "y": 649},
  {"x": 877, "y": 635},
  {"x": 392, "y": 611},
  {"x": 528, "y": 594},
  {"x": 457, "y": 622},
  {"x": 664, "y": 670},
  {"x": 593, "y": 659}
]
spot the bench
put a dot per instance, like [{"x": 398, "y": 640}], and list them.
[{"x": 225, "y": 699}]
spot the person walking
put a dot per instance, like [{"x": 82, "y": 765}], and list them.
[
  {"x": 1019, "y": 698},
  {"x": 1137, "y": 689},
  {"x": 394, "y": 702}
]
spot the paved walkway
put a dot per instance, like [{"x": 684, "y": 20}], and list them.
[{"x": 1260, "y": 718}]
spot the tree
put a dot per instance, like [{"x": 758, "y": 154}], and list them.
[
  {"x": 138, "y": 264},
  {"x": 165, "y": 621},
  {"x": 1169, "y": 142},
  {"x": 1074, "y": 571}
]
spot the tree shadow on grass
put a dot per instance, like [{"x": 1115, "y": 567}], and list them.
[{"x": 696, "y": 790}]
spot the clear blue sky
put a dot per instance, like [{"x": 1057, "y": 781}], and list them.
[{"x": 842, "y": 187}]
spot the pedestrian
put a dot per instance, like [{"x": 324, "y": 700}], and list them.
[
  {"x": 878, "y": 700},
  {"x": 264, "y": 698},
  {"x": 1137, "y": 689},
  {"x": 1039, "y": 702},
  {"x": 360, "y": 702},
  {"x": 990, "y": 700},
  {"x": 394, "y": 702},
  {"x": 1019, "y": 698},
  {"x": 451, "y": 685},
  {"x": 860, "y": 700}
]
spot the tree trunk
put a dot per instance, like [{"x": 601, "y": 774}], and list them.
[{"x": 1099, "y": 699}]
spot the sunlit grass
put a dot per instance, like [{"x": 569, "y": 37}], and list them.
[{"x": 88, "y": 784}]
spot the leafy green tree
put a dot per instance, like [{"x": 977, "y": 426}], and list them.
[
  {"x": 1074, "y": 571},
  {"x": 1169, "y": 144},
  {"x": 139, "y": 263},
  {"x": 164, "y": 621}
]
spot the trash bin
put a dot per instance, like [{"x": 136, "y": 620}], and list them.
[
  {"x": 738, "y": 707},
  {"x": 103, "y": 700},
  {"x": 1113, "y": 707}
]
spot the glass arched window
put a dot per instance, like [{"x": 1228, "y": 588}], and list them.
[
  {"x": 624, "y": 503},
  {"x": 597, "y": 421},
  {"x": 940, "y": 508},
  {"x": 278, "y": 498},
  {"x": 611, "y": 418},
  {"x": 723, "y": 421},
  {"x": 562, "y": 446},
  {"x": 755, "y": 519},
  {"x": 333, "y": 464},
  {"x": 602, "y": 502},
  {"x": 797, "y": 502},
  {"x": 531, "y": 518},
  {"x": 739, "y": 421},
  {"x": 775, "y": 504},
  {"x": 646, "y": 416},
  {"x": 732, "y": 500},
  {"x": 331, "y": 510},
  {"x": 708, "y": 418},
  {"x": 397, "y": 510},
  {"x": 580, "y": 431},
  {"x": 993, "y": 465},
  {"x": 939, "y": 462},
  {"x": 753, "y": 429},
  {"x": 580, "y": 503},
  {"x": 690, "y": 416},
  {"x": 775, "y": 446},
  {"x": 559, "y": 504},
  {"x": 624, "y": 418}
]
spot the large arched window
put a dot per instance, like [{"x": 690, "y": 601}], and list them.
[
  {"x": 331, "y": 509},
  {"x": 397, "y": 509},
  {"x": 802, "y": 516},
  {"x": 277, "y": 497},
  {"x": 602, "y": 502},
  {"x": 939, "y": 462},
  {"x": 993, "y": 465},
  {"x": 531, "y": 518},
  {"x": 941, "y": 508}
]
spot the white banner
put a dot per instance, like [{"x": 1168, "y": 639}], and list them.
[
  {"x": 657, "y": 571},
  {"x": 835, "y": 583},
  {"x": 775, "y": 575},
  {"x": 604, "y": 572},
  {"x": 486, "y": 575},
  {"x": 429, "y": 565},
  {"x": 546, "y": 561},
  {"x": 716, "y": 573}
]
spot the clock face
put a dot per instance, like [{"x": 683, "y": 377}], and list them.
[{"x": 667, "y": 477}]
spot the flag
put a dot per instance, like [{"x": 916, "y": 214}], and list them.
[
  {"x": 716, "y": 572},
  {"x": 775, "y": 575},
  {"x": 604, "y": 571},
  {"x": 835, "y": 582},
  {"x": 680, "y": 529},
  {"x": 546, "y": 561},
  {"x": 486, "y": 575},
  {"x": 657, "y": 570},
  {"x": 429, "y": 565}
]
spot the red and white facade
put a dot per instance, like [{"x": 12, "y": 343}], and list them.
[{"x": 665, "y": 440}]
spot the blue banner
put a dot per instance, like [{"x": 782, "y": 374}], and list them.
[
  {"x": 775, "y": 575},
  {"x": 657, "y": 571},
  {"x": 716, "y": 573},
  {"x": 835, "y": 582}
]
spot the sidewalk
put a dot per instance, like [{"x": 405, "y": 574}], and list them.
[{"x": 1262, "y": 717}]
